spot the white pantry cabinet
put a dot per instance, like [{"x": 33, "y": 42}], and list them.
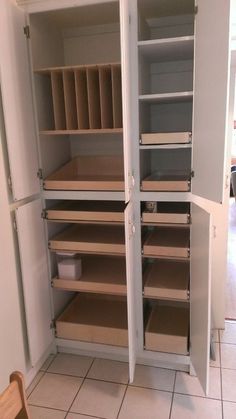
[{"x": 115, "y": 115}]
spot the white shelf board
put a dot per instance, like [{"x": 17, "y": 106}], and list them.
[
  {"x": 167, "y": 97},
  {"x": 164, "y": 146},
  {"x": 84, "y": 195},
  {"x": 168, "y": 49}
]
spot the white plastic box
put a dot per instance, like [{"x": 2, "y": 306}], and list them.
[{"x": 69, "y": 266}]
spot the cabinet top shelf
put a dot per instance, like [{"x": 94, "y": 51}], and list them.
[
  {"x": 168, "y": 49},
  {"x": 167, "y": 97}
]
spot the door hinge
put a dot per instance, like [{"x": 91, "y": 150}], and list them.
[
  {"x": 27, "y": 31},
  {"x": 9, "y": 182},
  {"x": 44, "y": 214},
  {"x": 53, "y": 327},
  {"x": 14, "y": 223},
  {"x": 192, "y": 173},
  {"x": 40, "y": 174},
  {"x": 214, "y": 231},
  {"x": 129, "y": 19},
  {"x": 196, "y": 10}
]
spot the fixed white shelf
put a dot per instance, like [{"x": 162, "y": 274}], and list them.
[
  {"x": 166, "y": 97},
  {"x": 168, "y": 49}
]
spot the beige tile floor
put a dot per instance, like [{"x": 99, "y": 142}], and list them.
[{"x": 76, "y": 387}]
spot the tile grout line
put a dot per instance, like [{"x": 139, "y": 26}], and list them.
[
  {"x": 83, "y": 380},
  {"x": 221, "y": 383},
  {"x": 44, "y": 372},
  {"x": 48, "y": 407},
  {"x": 173, "y": 394},
  {"x": 122, "y": 401}
]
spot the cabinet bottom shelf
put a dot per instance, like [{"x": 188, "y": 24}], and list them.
[
  {"x": 95, "y": 319},
  {"x": 167, "y": 329}
]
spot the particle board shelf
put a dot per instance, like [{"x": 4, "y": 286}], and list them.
[
  {"x": 167, "y": 329},
  {"x": 95, "y": 319},
  {"x": 168, "y": 242},
  {"x": 166, "y": 138},
  {"x": 87, "y": 211},
  {"x": 88, "y": 173},
  {"x": 82, "y": 131},
  {"x": 100, "y": 274},
  {"x": 167, "y": 279},
  {"x": 169, "y": 213},
  {"x": 86, "y": 99},
  {"x": 176, "y": 181},
  {"x": 167, "y": 49},
  {"x": 108, "y": 239}
]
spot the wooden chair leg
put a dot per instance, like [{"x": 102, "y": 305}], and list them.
[{"x": 18, "y": 377}]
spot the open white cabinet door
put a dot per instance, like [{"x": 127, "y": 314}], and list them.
[
  {"x": 126, "y": 94},
  {"x": 34, "y": 270},
  {"x": 17, "y": 102},
  {"x": 130, "y": 280},
  {"x": 200, "y": 291},
  {"x": 211, "y": 89}
]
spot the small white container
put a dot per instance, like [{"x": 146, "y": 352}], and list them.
[{"x": 69, "y": 266}]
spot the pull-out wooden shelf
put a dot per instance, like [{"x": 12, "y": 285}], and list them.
[
  {"x": 170, "y": 181},
  {"x": 170, "y": 242},
  {"x": 167, "y": 279},
  {"x": 167, "y": 329},
  {"x": 96, "y": 319},
  {"x": 90, "y": 238},
  {"x": 100, "y": 274},
  {"x": 93, "y": 211},
  {"x": 168, "y": 212},
  {"x": 89, "y": 173},
  {"x": 166, "y": 138}
]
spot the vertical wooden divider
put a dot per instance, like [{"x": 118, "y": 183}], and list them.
[
  {"x": 58, "y": 100},
  {"x": 81, "y": 98},
  {"x": 70, "y": 99},
  {"x": 105, "y": 86},
  {"x": 116, "y": 95},
  {"x": 93, "y": 97}
]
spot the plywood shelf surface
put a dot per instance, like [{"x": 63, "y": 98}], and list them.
[
  {"x": 167, "y": 279},
  {"x": 173, "y": 213},
  {"x": 167, "y": 329},
  {"x": 90, "y": 238},
  {"x": 168, "y": 49},
  {"x": 98, "y": 211},
  {"x": 169, "y": 242},
  {"x": 95, "y": 319},
  {"x": 101, "y": 173},
  {"x": 167, "y": 181},
  {"x": 100, "y": 274}
]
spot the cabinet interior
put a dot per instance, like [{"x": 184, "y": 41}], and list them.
[{"x": 78, "y": 92}]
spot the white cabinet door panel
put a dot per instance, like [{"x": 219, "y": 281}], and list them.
[
  {"x": 200, "y": 291},
  {"x": 211, "y": 88},
  {"x": 34, "y": 269},
  {"x": 130, "y": 280},
  {"x": 17, "y": 102}
]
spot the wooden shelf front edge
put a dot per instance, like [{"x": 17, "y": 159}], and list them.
[
  {"x": 86, "y": 286},
  {"x": 82, "y": 131}
]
